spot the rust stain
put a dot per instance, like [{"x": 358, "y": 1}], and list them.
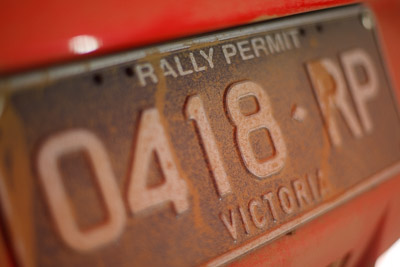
[
  {"x": 264, "y": 17},
  {"x": 198, "y": 234},
  {"x": 15, "y": 172}
]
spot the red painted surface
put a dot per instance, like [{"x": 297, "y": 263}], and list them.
[
  {"x": 35, "y": 34},
  {"x": 362, "y": 229}
]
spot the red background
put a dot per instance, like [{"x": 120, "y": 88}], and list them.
[{"x": 36, "y": 34}]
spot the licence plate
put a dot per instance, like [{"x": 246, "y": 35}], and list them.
[{"x": 198, "y": 151}]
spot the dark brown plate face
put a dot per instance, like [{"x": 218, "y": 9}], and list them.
[{"x": 196, "y": 152}]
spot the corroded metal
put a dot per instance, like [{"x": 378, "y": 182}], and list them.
[{"x": 254, "y": 132}]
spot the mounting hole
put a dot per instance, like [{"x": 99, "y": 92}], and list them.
[
  {"x": 302, "y": 32},
  {"x": 129, "y": 71},
  {"x": 291, "y": 233},
  {"x": 319, "y": 28},
  {"x": 98, "y": 79}
]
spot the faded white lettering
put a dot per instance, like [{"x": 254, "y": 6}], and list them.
[
  {"x": 167, "y": 68},
  {"x": 229, "y": 51},
  {"x": 275, "y": 43},
  {"x": 208, "y": 57},
  {"x": 181, "y": 71},
  {"x": 244, "y": 49},
  {"x": 195, "y": 65},
  {"x": 230, "y": 224},
  {"x": 362, "y": 91},
  {"x": 258, "y": 45},
  {"x": 144, "y": 71}
]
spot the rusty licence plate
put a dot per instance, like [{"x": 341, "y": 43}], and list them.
[{"x": 198, "y": 151}]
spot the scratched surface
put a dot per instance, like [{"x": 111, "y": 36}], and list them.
[{"x": 110, "y": 102}]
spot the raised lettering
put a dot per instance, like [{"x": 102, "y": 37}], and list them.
[
  {"x": 208, "y": 57},
  {"x": 286, "y": 199},
  {"x": 144, "y": 71},
  {"x": 302, "y": 195},
  {"x": 167, "y": 68},
  {"x": 294, "y": 34},
  {"x": 258, "y": 45},
  {"x": 244, "y": 49},
  {"x": 263, "y": 119},
  {"x": 194, "y": 63},
  {"x": 362, "y": 91},
  {"x": 151, "y": 137},
  {"x": 275, "y": 43},
  {"x": 195, "y": 111},
  {"x": 229, "y": 51},
  {"x": 60, "y": 207},
  {"x": 244, "y": 220},
  {"x": 230, "y": 224},
  {"x": 259, "y": 221},
  {"x": 181, "y": 71},
  {"x": 269, "y": 198},
  {"x": 330, "y": 89}
]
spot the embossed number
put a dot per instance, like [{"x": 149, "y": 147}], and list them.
[
  {"x": 152, "y": 138},
  {"x": 51, "y": 151},
  {"x": 195, "y": 111},
  {"x": 245, "y": 124}
]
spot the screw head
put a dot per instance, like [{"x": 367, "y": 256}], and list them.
[{"x": 367, "y": 20}]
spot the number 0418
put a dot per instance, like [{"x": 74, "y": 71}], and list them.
[{"x": 151, "y": 138}]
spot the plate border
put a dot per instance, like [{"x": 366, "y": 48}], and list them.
[
  {"x": 369, "y": 183},
  {"x": 45, "y": 76}
]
